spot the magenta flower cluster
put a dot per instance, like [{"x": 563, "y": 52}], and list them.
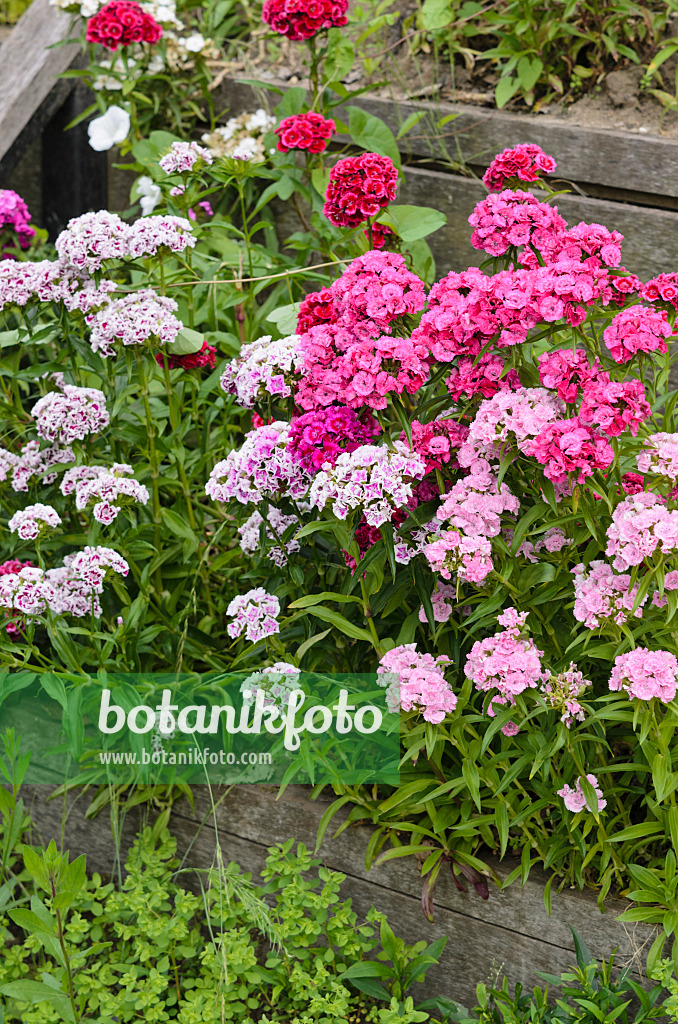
[
  {"x": 322, "y": 436},
  {"x": 15, "y": 218},
  {"x": 513, "y": 219}
]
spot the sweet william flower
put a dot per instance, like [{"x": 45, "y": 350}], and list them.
[
  {"x": 148, "y": 193},
  {"x": 109, "y": 130},
  {"x": 574, "y": 798}
]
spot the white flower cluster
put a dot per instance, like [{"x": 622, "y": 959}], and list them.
[
  {"x": 242, "y": 137},
  {"x": 264, "y": 367}
]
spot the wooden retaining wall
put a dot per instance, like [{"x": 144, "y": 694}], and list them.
[
  {"x": 625, "y": 181},
  {"x": 510, "y": 932}
]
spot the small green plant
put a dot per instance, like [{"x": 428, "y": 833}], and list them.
[{"x": 152, "y": 950}]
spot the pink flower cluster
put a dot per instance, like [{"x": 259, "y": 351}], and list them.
[
  {"x": 359, "y": 187},
  {"x": 342, "y": 368},
  {"x": 614, "y": 407},
  {"x": 303, "y": 19},
  {"x": 526, "y": 162},
  {"x": 513, "y": 219},
  {"x": 640, "y": 524},
  {"x": 263, "y": 369},
  {"x": 436, "y": 441},
  {"x": 254, "y": 614},
  {"x": 316, "y": 308},
  {"x": 377, "y": 287},
  {"x": 574, "y": 798},
  {"x": 664, "y": 287},
  {"x": 71, "y": 414},
  {"x": 353, "y": 353},
  {"x": 552, "y": 541},
  {"x": 646, "y": 674},
  {"x": 483, "y": 376},
  {"x": 183, "y": 156},
  {"x": 375, "y": 479},
  {"x": 637, "y": 329},
  {"x": 570, "y": 446},
  {"x": 134, "y": 319},
  {"x": 274, "y": 525},
  {"x": 109, "y": 489},
  {"x": 443, "y": 600},
  {"x": 309, "y": 131},
  {"x": 600, "y": 595},
  {"x": 46, "y": 281},
  {"x": 419, "y": 683},
  {"x": 472, "y": 510},
  {"x": 274, "y": 682},
  {"x": 659, "y": 455},
  {"x": 261, "y": 469},
  {"x": 34, "y": 520},
  {"x": 567, "y": 372},
  {"x": 32, "y": 462},
  {"x": 468, "y": 310},
  {"x": 319, "y": 437},
  {"x": 562, "y": 692},
  {"x": 14, "y": 216},
  {"x": 508, "y": 662},
  {"x": 511, "y": 418}
]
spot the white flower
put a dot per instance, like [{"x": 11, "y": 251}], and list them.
[
  {"x": 109, "y": 129},
  {"x": 148, "y": 194},
  {"x": 193, "y": 43}
]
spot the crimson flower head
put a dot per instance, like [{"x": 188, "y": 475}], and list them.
[
  {"x": 305, "y": 131},
  {"x": 303, "y": 19},
  {"x": 207, "y": 356},
  {"x": 121, "y": 23},
  {"x": 359, "y": 187},
  {"x": 316, "y": 308}
]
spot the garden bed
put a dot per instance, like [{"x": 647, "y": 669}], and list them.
[{"x": 509, "y": 933}]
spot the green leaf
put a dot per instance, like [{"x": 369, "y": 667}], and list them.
[
  {"x": 409, "y": 123},
  {"x": 529, "y": 72},
  {"x": 370, "y": 133},
  {"x": 641, "y": 831},
  {"x": 412, "y": 222},
  {"x": 187, "y": 341},
  {"x": 308, "y": 600},
  {"x": 506, "y": 88},
  {"x": 337, "y": 620},
  {"x": 179, "y": 526},
  {"x": 285, "y": 318},
  {"x": 320, "y": 179},
  {"x": 436, "y": 14}
]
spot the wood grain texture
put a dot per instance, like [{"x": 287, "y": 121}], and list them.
[
  {"x": 29, "y": 90},
  {"x": 600, "y": 156},
  {"x": 510, "y": 931}
]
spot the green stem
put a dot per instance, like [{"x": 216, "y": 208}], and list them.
[
  {"x": 155, "y": 467},
  {"x": 370, "y": 621}
]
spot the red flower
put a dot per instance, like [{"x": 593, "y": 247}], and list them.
[
  {"x": 527, "y": 162},
  {"x": 207, "y": 356},
  {"x": 305, "y": 131},
  {"x": 316, "y": 308},
  {"x": 120, "y": 23},
  {"x": 359, "y": 187},
  {"x": 303, "y": 19},
  {"x": 379, "y": 235}
]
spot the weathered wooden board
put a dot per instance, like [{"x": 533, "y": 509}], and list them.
[
  {"x": 509, "y": 931},
  {"x": 30, "y": 93},
  {"x": 650, "y": 236},
  {"x": 601, "y": 156}
]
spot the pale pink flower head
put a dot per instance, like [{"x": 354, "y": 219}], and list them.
[
  {"x": 601, "y": 595},
  {"x": 183, "y": 156},
  {"x": 659, "y": 455},
  {"x": 641, "y": 523},
  {"x": 509, "y": 661},
  {"x": 443, "y": 600},
  {"x": 646, "y": 674},
  {"x": 416, "y": 682},
  {"x": 255, "y": 614},
  {"x": 574, "y": 798}
]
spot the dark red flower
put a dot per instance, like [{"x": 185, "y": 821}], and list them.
[
  {"x": 303, "y": 19},
  {"x": 316, "y": 308},
  {"x": 207, "y": 356},
  {"x": 120, "y": 23},
  {"x": 359, "y": 187}
]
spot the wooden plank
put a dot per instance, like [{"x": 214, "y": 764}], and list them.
[
  {"x": 601, "y": 156},
  {"x": 650, "y": 236},
  {"x": 29, "y": 91}
]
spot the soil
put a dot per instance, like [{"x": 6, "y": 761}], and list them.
[{"x": 617, "y": 103}]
